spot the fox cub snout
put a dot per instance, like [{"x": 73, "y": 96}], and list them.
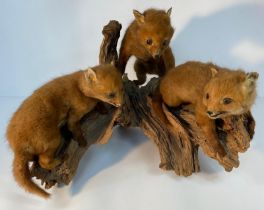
[
  {"x": 105, "y": 85},
  {"x": 154, "y": 30},
  {"x": 229, "y": 93}
]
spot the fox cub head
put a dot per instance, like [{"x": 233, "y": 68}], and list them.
[
  {"x": 154, "y": 30},
  {"x": 229, "y": 93},
  {"x": 103, "y": 82}
]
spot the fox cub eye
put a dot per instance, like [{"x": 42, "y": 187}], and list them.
[
  {"x": 227, "y": 100},
  {"x": 149, "y": 41},
  {"x": 207, "y": 96},
  {"x": 111, "y": 95},
  {"x": 165, "y": 42}
]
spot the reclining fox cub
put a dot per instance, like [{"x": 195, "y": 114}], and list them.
[
  {"x": 215, "y": 93},
  {"x": 34, "y": 129}
]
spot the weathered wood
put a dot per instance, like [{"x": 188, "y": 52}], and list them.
[
  {"x": 108, "y": 53},
  {"x": 173, "y": 130}
]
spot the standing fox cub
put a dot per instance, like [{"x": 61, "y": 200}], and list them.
[
  {"x": 148, "y": 38},
  {"x": 215, "y": 93},
  {"x": 34, "y": 129}
]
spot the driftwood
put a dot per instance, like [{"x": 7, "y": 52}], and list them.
[{"x": 173, "y": 130}]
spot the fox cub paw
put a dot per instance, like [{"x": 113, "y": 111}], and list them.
[{"x": 49, "y": 164}]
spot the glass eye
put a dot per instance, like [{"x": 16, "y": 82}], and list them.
[
  {"x": 207, "y": 96},
  {"x": 165, "y": 42},
  {"x": 111, "y": 95},
  {"x": 149, "y": 41},
  {"x": 227, "y": 100}
]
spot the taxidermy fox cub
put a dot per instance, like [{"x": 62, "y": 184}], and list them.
[
  {"x": 215, "y": 93},
  {"x": 148, "y": 38},
  {"x": 34, "y": 129}
]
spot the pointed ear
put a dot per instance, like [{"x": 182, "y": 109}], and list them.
[
  {"x": 90, "y": 75},
  {"x": 169, "y": 11},
  {"x": 251, "y": 79},
  {"x": 139, "y": 17},
  {"x": 214, "y": 72},
  {"x": 252, "y": 76}
]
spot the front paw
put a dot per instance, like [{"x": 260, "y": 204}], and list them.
[
  {"x": 49, "y": 165},
  {"x": 228, "y": 161}
]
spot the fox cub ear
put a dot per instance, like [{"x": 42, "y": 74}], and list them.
[
  {"x": 90, "y": 75},
  {"x": 169, "y": 11},
  {"x": 251, "y": 79},
  {"x": 139, "y": 17},
  {"x": 213, "y": 72},
  {"x": 252, "y": 76}
]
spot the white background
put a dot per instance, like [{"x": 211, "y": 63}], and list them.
[{"x": 43, "y": 39}]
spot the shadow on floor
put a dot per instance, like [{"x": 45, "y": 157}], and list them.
[{"x": 101, "y": 157}]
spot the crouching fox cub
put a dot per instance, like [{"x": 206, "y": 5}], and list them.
[
  {"x": 148, "y": 38},
  {"x": 215, "y": 93},
  {"x": 34, "y": 131}
]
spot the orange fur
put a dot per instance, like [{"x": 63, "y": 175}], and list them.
[
  {"x": 155, "y": 56},
  {"x": 215, "y": 93},
  {"x": 33, "y": 131}
]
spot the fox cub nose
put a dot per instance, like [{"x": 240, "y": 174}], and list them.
[
  {"x": 210, "y": 113},
  {"x": 156, "y": 56}
]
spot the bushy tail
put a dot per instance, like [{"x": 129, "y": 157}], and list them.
[{"x": 22, "y": 175}]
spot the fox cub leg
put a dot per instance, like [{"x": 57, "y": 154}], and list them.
[
  {"x": 123, "y": 59},
  {"x": 168, "y": 59},
  {"x": 47, "y": 159},
  {"x": 157, "y": 66},
  {"x": 163, "y": 64},
  {"x": 75, "y": 127},
  {"x": 151, "y": 66},
  {"x": 141, "y": 71},
  {"x": 208, "y": 127},
  {"x": 212, "y": 146}
]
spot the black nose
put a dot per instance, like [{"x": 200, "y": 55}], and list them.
[
  {"x": 209, "y": 113},
  {"x": 156, "y": 56}
]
